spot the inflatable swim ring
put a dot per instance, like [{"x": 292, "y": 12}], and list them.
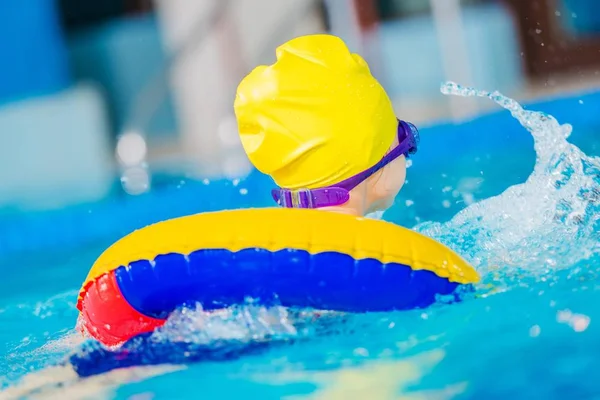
[{"x": 291, "y": 257}]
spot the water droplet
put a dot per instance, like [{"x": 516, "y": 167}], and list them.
[
  {"x": 534, "y": 331},
  {"x": 580, "y": 323}
]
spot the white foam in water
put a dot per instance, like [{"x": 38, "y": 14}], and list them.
[
  {"x": 546, "y": 223},
  {"x": 244, "y": 323}
]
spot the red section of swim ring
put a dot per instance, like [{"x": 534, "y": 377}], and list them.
[{"x": 108, "y": 317}]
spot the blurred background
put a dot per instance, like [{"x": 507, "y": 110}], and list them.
[{"x": 110, "y": 100}]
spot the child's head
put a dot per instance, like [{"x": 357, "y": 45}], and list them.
[{"x": 317, "y": 119}]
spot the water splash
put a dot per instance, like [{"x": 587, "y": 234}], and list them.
[
  {"x": 247, "y": 322},
  {"x": 192, "y": 335},
  {"x": 548, "y": 222}
]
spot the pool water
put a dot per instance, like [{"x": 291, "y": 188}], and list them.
[{"x": 528, "y": 332}]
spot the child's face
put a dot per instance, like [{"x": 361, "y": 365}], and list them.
[{"x": 388, "y": 184}]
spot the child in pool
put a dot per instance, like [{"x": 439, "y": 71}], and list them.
[{"x": 324, "y": 129}]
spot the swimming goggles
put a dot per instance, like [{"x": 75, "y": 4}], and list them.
[{"x": 335, "y": 195}]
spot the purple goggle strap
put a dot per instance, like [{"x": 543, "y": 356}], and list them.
[{"x": 340, "y": 193}]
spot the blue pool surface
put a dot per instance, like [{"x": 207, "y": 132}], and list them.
[{"x": 533, "y": 336}]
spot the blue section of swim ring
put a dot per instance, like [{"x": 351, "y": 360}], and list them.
[{"x": 218, "y": 278}]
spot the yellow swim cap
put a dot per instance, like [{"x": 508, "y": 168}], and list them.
[{"x": 315, "y": 117}]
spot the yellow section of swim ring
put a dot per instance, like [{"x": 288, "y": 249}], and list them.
[{"x": 277, "y": 229}]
